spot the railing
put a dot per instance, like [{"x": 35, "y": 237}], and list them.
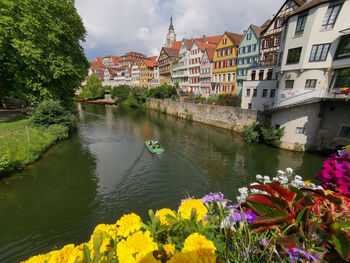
[{"x": 300, "y": 97}]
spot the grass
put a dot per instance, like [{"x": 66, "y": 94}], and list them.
[{"x": 16, "y": 150}]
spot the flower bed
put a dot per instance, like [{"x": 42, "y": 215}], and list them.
[{"x": 283, "y": 219}]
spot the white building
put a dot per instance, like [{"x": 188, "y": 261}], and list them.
[
  {"x": 135, "y": 74},
  {"x": 155, "y": 82},
  {"x": 180, "y": 68}
]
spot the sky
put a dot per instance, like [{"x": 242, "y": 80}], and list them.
[{"x": 115, "y": 27}]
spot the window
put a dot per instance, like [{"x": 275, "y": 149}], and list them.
[
  {"x": 253, "y": 47},
  {"x": 331, "y": 16},
  {"x": 345, "y": 132},
  {"x": 300, "y": 130},
  {"x": 272, "y": 93},
  {"x": 228, "y": 77},
  {"x": 319, "y": 52},
  {"x": 261, "y": 74},
  {"x": 289, "y": 84},
  {"x": 299, "y": 30},
  {"x": 343, "y": 50},
  {"x": 277, "y": 41},
  {"x": 280, "y": 22},
  {"x": 249, "y": 49},
  {"x": 294, "y": 55},
  {"x": 264, "y": 93},
  {"x": 249, "y": 106},
  {"x": 267, "y": 43},
  {"x": 255, "y": 92},
  {"x": 342, "y": 79},
  {"x": 223, "y": 77},
  {"x": 248, "y": 93},
  {"x": 310, "y": 83},
  {"x": 289, "y": 4},
  {"x": 253, "y": 75},
  {"x": 249, "y": 36},
  {"x": 224, "y": 41},
  {"x": 269, "y": 74},
  {"x": 243, "y": 50}
]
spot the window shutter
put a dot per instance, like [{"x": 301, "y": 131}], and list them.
[
  {"x": 276, "y": 21},
  {"x": 263, "y": 44},
  {"x": 272, "y": 41}
]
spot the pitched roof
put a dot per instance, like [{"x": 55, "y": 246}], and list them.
[
  {"x": 236, "y": 38},
  {"x": 257, "y": 29},
  {"x": 188, "y": 43},
  {"x": 116, "y": 59},
  {"x": 97, "y": 64},
  {"x": 172, "y": 52},
  {"x": 151, "y": 63},
  {"x": 203, "y": 46},
  {"x": 177, "y": 45},
  {"x": 154, "y": 58},
  {"x": 111, "y": 71},
  {"x": 99, "y": 59},
  {"x": 309, "y": 5},
  {"x": 210, "y": 52},
  {"x": 212, "y": 40}
]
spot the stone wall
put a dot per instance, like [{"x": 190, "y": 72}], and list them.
[{"x": 220, "y": 116}]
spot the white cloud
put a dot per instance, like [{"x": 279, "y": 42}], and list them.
[{"x": 118, "y": 26}]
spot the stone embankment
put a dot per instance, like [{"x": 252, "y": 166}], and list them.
[{"x": 220, "y": 116}]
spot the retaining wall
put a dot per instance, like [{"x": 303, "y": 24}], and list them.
[{"x": 220, "y": 116}]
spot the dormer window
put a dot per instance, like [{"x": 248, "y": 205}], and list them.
[
  {"x": 280, "y": 22},
  {"x": 224, "y": 41},
  {"x": 249, "y": 36}
]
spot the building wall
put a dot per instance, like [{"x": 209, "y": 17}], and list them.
[
  {"x": 258, "y": 102},
  {"x": 205, "y": 75},
  {"x": 302, "y": 117},
  {"x": 244, "y": 55},
  {"x": 180, "y": 68},
  {"x": 220, "y": 116},
  {"x": 194, "y": 62}
]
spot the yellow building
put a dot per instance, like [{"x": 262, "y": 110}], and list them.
[
  {"x": 225, "y": 64},
  {"x": 147, "y": 72}
]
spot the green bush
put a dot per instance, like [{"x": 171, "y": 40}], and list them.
[
  {"x": 50, "y": 112},
  {"x": 58, "y": 131},
  {"x": 162, "y": 92},
  {"x": 7, "y": 163},
  {"x": 120, "y": 92},
  {"x": 200, "y": 99},
  {"x": 272, "y": 136},
  {"x": 131, "y": 101},
  {"x": 251, "y": 133},
  {"x": 229, "y": 100}
]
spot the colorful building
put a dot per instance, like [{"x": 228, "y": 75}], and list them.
[
  {"x": 135, "y": 73},
  {"x": 206, "y": 71},
  {"x": 225, "y": 64},
  {"x": 248, "y": 54},
  {"x": 147, "y": 72},
  {"x": 166, "y": 59}
]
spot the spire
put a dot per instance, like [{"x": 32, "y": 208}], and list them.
[{"x": 171, "y": 23}]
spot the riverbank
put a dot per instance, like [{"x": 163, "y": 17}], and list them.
[
  {"x": 22, "y": 143},
  {"x": 220, "y": 116}
]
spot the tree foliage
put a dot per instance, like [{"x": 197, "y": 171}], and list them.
[
  {"x": 93, "y": 87},
  {"x": 40, "y": 51},
  {"x": 162, "y": 92},
  {"x": 140, "y": 94},
  {"x": 120, "y": 92}
]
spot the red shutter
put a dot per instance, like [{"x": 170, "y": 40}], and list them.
[
  {"x": 272, "y": 41},
  {"x": 263, "y": 44}
]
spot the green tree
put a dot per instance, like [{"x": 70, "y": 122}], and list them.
[
  {"x": 120, "y": 92},
  {"x": 40, "y": 49},
  {"x": 93, "y": 87},
  {"x": 140, "y": 94}
]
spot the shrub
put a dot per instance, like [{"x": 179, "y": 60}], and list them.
[
  {"x": 251, "y": 133},
  {"x": 120, "y": 92},
  {"x": 7, "y": 163},
  {"x": 131, "y": 101},
  {"x": 229, "y": 100},
  {"x": 272, "y": 136},
  {"x": 58, "y": 131},
  {"x": 50, "y": 112}
]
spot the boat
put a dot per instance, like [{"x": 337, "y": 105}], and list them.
[{"x": 152, "y": 149}]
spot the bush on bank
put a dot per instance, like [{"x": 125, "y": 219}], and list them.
[
  {"x": 279, "y": 219},
  {"x": 258, "y": 133}
]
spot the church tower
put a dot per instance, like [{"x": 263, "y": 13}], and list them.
[{"x": 171, "y": 36}]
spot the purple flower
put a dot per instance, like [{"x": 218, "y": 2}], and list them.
[
  {"x": 296, "y": 252},
  {"x": 264, "y": 242},
  {"x": 250, "y": 217},
  {"x": 336, "y": 92},
  {"x": 213, "y": 197}
]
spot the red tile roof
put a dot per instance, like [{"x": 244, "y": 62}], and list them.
[
  {"x": 202, "y": 46},
  {"x": 212, "y": 40},
  {"x": 99, "y": 59},
  {"x": 172, "y": 52},
  {"x": 235, "y": 38},
  {"x": 267, "y": 22},
  {"x": 116, "y": 60},
  {"x": 257, "y": 29},
  {"x": 97, "y": 64},
  {"x": 111, "y": 71},
  {"x": 151, "y": 63},
  {"x": 210, "y": 52},
  {"x": 177, "y": 45},
  {"x": 154, "y": 58}
]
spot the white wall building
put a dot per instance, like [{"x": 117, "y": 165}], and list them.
[{"x": 180, "y": 68}]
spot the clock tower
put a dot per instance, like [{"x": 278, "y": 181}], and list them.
[{"x": 171, "y": 36}]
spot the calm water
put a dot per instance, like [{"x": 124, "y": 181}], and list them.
[{"x": 105, "y": 170}]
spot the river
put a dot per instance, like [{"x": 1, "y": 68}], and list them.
[{"x": 104, "y": 171}]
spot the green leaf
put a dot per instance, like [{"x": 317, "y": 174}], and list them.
[
  {"x": 341, "y": 238},
  {"x": 260, "y": 209},
  {"x": 87, "y": 255},
  {"x": 275, "y": 217}
]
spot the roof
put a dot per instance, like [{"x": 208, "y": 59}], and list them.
[
  {"x": 97, "y": 64},
  {"x": 154, "y": 58},
  {"x": 257, "y": 29},
  {"x": 203, "y": 46},
  {"x": 111, "y": 71},
  {"x": 172, "y": 52},
  {"x": 188, "y": 43},
  {"x": 99, "y": 59},
  {"x": 150, "y": 63},
  {"x": 236, "y": 38},
  {"x": 267, "y": 22},
  {"x": 210, "y": 52},
  {"x": 177, "y": 45},
  {"x": 133, "y": 53},
  {"x": 116, "y": 60},
  {"x": 309, "y": 5},
  {"x": 212, "y": 40}
]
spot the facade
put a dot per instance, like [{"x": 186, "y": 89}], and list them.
[
  {"x": 109, "y": 60},
  {"x": 147, "y": 72},
  {"x": 130, "y": 57},
  {"x": 135, "y": 74},
  {"x": 98, "y": 68},
  {"x": 206, "y": 71},
  {"x": 194, "y": 63},
  {"x": 166, "y": 59},
  {"x": 259, "y": 90},
  {"x": 171, "y": 36},
  {"x": 123, "y": 75},
  {"x": 180, "y": 68},
  {"x": 248, "y": 53},
  {"x": 225, "y": 64},
  {"x": 271, "y": 35},
  {"x": 155, "y": 81}
]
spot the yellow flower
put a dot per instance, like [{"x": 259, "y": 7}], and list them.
[
  {"x": 128, "y": 224},
  {"x": 162, "y": 213},
  {"x": 184, "y": 257},
  {"x": 329, "y": 192},
  {"x": 110, "y": 230},
  {"x": 193, "y": 206},
  {"x": 138, "y": 244},
  {"x": 148, "y": 258},
  {"x": 306, "y": 183},
  {"x": 169, "y": 249},
  {"x": 202, "y": 247}
]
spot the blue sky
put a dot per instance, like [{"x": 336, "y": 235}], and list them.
[{"x": 115, "y": 27}]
